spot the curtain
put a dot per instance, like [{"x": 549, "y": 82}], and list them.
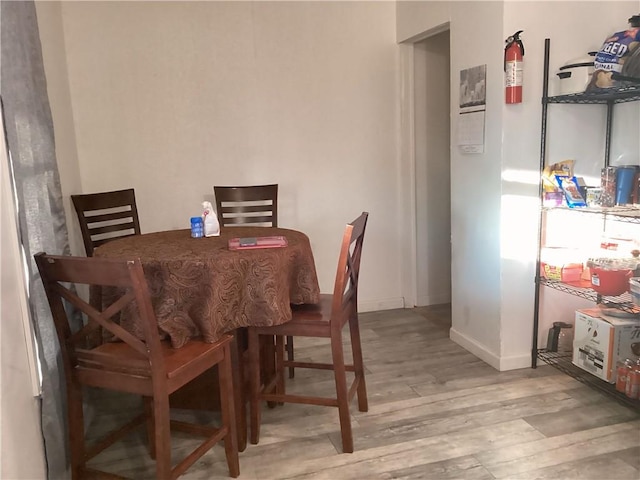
[{"x": 29, "y": 131}]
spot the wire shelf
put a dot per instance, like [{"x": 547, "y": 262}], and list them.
[
  {"x": 627, "y": 213},
  {"x": 628, "y": 93},
  {"x": 562, "y": 362},
  {"x": 582, "y": 289}
]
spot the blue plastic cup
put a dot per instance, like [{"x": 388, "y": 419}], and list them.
[
  {"x": 624, "y": 184},
  {"x": 197, "y": 227}
]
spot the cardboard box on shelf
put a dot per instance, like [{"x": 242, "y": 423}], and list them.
[
  {"x": 601, "y": 340},
  {"x": 562, "y": 264},
  {"x": 568, "y": 272}
]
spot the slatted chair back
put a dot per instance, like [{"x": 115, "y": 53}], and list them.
[
  {"x": 105, "y": 216},
  {"x": 59, "y": 273},
  {"x": 345, "y": 291},
  {"x": 255, "y": 205}
]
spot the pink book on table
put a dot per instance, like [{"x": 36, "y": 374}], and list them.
[{"x": 248, "y": 243}]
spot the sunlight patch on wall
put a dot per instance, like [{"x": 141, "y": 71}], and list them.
[
  {"x": 519, "y": 232},
  {"x": 528, "y": 177}
]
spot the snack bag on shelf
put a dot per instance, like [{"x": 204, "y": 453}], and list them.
[
  {"x": 618, "y": 61},
  {"x": 549, "y": 182},
  {"x": 569, "y": 186}
]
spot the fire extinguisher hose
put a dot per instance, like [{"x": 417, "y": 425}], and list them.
[{"x": 515, "y": 38}]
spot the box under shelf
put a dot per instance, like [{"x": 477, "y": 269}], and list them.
[{"x": 562, "y": 362}]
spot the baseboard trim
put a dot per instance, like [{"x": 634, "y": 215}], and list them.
[
  {"x": 474, "y": 347},
  {"x": 501, "y": 364},
  {"x": 515, "y": 362},
  {"x": 383, "y": 304},
  {"x": 438, "y": 299}
]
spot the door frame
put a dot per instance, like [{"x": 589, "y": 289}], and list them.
[{"x": 407, "y": 154}]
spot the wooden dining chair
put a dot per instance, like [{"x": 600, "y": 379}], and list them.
[
  {"x": 255, "y": 205},
  {"x": 325, "y": 319},
  {"x": 148, "y": 367},
  {"x": 105, "y": 216}
]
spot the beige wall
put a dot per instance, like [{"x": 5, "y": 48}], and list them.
[
  {"x": 55, "y": 63},
  {"x": 173, "y": 97}
]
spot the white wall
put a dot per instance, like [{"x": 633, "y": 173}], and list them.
[
  {"x": 494, "y": 195},
  {"x": 574, "y": 131},
  {"x": 475, "y": 39},
  {"x": 173, "y": 97}
]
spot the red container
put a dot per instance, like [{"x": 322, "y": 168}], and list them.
[
  {"x": 610, "y": 282},
  {"x": 622, "y": 375},
  {"x": 633, "y": 383}
]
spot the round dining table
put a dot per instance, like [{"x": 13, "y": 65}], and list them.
[{"x": 202, "y": 287}]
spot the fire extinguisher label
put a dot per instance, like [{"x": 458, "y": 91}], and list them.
[{"x": 513, "y": 74}]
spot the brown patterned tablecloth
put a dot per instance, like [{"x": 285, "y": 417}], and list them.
[{"x": 200, "y": 287}]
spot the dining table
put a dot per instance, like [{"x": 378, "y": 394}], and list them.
[{"x": 206, "y": 287}]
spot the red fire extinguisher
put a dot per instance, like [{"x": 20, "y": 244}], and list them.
[{"x": 513, "y": 54}]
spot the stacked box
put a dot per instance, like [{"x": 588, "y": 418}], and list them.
[{"x": 600, "y": 341}]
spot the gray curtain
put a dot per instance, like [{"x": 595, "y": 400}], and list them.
[{"x": 29, "y": 131}]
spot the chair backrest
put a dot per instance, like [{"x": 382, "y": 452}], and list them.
[
  {"x": 247, "y": 205},
  {"x": 105, "y": 216},
  {"x": 345, "y": 292},
  {"x": 62, "y": 274}
]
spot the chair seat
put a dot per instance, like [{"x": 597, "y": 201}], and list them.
[
  {"x": 176, "y": 359},
  {"x": 181, "y": 364},
  {"x": 305, "y": 318},
  {"x": 313, "y": 312}
]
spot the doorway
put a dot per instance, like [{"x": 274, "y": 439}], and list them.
[{"x": 431, "y": 80}]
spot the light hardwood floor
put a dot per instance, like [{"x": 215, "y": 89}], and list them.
[{"x": 435, "y": 412}]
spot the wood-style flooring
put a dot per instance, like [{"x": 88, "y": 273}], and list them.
[{"x": 435, "y": 412}]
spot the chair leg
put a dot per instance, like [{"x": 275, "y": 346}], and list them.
[
  {"x": 342, "y": 393},
  {"x": 254, "y": 386},
  {"x": 267, "y": 362},
  {"x": 147, "y": 404},
  {"x": 239, "y": 391},
  {"x": 290, "y": 358},
  {"x": 75, "y": 416},
  {"x": 162, "y": 436},
  {"x": 228, "y": 412},
  {"x": 358, "y": 363},
  {"x": 280, "y": 385}
]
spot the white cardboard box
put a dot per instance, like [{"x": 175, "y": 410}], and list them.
[{"x": 600, "y": 341}]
